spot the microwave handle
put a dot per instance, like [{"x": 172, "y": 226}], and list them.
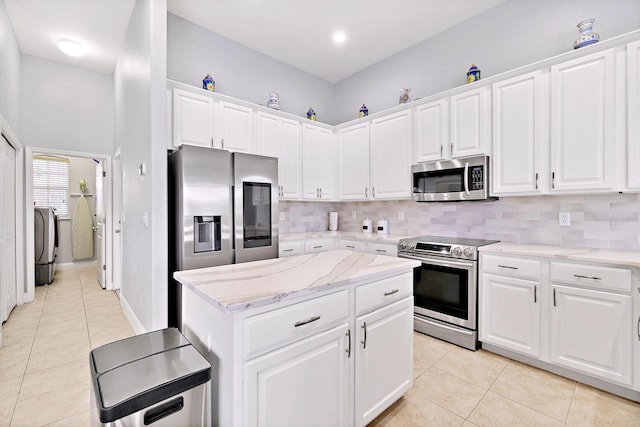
[{"x": 466, "y": 178}]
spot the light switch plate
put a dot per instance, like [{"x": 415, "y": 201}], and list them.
[
  {"x": 282, "y": 217},
  {"x": 564, "y": 219},
  {"x": 400, "y": 216},
  {"x": 353, "y": 214}
]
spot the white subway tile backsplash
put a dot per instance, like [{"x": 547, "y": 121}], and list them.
[{"x": 604, "y": 221}]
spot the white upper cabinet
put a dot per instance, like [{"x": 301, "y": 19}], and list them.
[
  {"x": 582, "y": 123},
  {"x": 317, "y": 163},
  {"x": 633, "y": 115},
  {"x": 282, "y": 138},
  {"x": 470, "y": 123},
  {"x": 520, "y": 135},
  {"x": 390, "y": 156},
  {"x": 432, "y": 131},
  {"x": 235, "y": 127},
  {"x": 193, "y": 119},
  {"x": 353, "y": 162}
]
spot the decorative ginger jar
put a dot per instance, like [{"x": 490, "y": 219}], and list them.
[
  {"x": 274, "y": 101},
  {"x": 311, "y": 115},
  {"x": 364, "y": 111},
  {"x": 587, "y": 36},
  {"x": 473, "y": 74},
  {"x": 208, "y": 83}
]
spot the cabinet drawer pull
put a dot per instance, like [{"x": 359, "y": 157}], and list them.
[
  {"x": 351, "y": 246},
  {"x": 395, "y": 291},
  {"x": 535, "y": 294},
  {"x": 536, "y": 180},
  {"x": 580, "y": 276},
  {"x": 384, "y": 251},
  {"x": 508, "y": 267},
  {"x": 366, "y": 192},
  {"x": 287, "y": 250},
  {"x": 348, "y": 350},
  {"x": 441, "y": 147},
  {"x": 553, "y": 180},
  {"x": 309, "y": 320},
  {"x": 364, "y": 342},
  {"x": 318, "y": 247}
]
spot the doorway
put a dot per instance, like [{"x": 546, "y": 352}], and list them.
[{"x": 83, "y": 190}]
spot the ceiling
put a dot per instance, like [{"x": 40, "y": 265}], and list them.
[{"x": 295, "y": 32}]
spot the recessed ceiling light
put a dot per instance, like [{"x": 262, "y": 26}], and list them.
[
  {"x": 70, "y": 47},
  {"x": 339, "y": 37}
]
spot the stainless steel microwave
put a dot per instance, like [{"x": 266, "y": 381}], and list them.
[{"x": 465, "y": 178}]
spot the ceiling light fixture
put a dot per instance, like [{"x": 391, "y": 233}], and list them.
[
  {"x": 71, "y": 47},
  {"x": 339, "y": 37}
]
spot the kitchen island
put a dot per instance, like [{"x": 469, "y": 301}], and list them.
[{"x": 317, "y": 339}]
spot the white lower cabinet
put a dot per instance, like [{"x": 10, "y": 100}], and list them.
[
  {"x": 384, "y": 354},
  {"x": 591, "y": 331},
  {"x": 302, "y": 384}
]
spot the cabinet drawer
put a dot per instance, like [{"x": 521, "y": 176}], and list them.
[
  {"x": 278, "y": 327},
  {"x": 317, "y": 245},
  {"x": 509, "y": 266},
  {"x": 290, "y": 248},
  {"x": 383, "y": 292},
  {"x": 592, "y": 276},
  {"x": 352, "y": 245},
  {"x": 382, "y": 249}
]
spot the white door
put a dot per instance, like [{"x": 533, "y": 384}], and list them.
[
  {"x": 317, "y": 163},
  {"x": 353, "y": 162},
  {"x": 633, "y": 115},
  {"x": 591, "y": 331},
  {"x": 117, "y": 222},
  {"x": 470, "y": 122},
  {"x": 432, "y": 136},
  {"x": 302, "y": 384},
  {"x": 193, "y": 119},
  {"x": 100, "y": 218},
  {"x": 8, "y": 296},
  {"x": 510, "y": 313},
  {"x": 384, "y": 359},
  {"x": 235, "y": 127},
  {"x": 290, "y": 159},
  {"x": 582, "y": 123}
]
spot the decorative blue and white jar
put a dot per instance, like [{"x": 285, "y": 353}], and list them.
[
  {"x": 208, "y": 83},
  {"x": 364, "y": 111},
  {"x": 404, "y": 95},
  {"x": 587, "y": 36},
  {"x": 274, "y": 101},
  {"x": 311, "y": 115},
  {"x": 473, "y": 74}
]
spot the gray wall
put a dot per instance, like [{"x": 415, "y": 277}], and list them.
[
  {"x": 241, "y": 72},
  {"x": 65, "y": 108},
  {"x": 9, "y": 72},
  {"x": 513, "y": 34},
  {"x": 140, "y": 129}
]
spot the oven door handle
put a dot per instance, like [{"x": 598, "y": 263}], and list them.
[
  {"x": 444, "y": 263},
  {"x": 466, "y": 178}
]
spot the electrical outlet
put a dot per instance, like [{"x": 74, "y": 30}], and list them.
[
  {"x": 282, "y": 217},
  {"x": 400, "y": 216},
  {"x": 564, "y": 219},
  {"x": 353, "y": 214}
]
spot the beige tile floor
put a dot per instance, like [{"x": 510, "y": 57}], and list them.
[{"x": 44, "y": 372}]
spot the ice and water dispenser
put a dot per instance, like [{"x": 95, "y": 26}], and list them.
[{"x": 208, "y": 236}]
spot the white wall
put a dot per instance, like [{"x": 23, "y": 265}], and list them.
[
  {"x": 65, "y": 108},
  {"x": 140, "y": 130},
  {"x": 9, "y": 72},
  {"x": 242, "y": 72},
  {"x": 513, "y": 34}
]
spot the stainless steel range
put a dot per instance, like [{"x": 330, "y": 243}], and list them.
[{"x": 445, "y": 287}]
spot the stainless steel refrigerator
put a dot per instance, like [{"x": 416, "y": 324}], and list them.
[
  {"x": 45, "y": 244},
  {"x": 223, "y": 209}
]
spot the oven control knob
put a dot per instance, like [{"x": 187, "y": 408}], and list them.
[
  {"x": 457, "y": 251},
  {"x": 411, "y": 245},
  {"x": 403, "y": 245},
  {"x": 468, "y": 252}
]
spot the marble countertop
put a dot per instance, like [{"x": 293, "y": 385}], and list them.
[
  {"x": 600, "y": 256},
  {"x": 373, "y": 237},
  {"x": 238, "y": 287}
]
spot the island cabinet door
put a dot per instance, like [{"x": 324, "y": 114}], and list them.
[
  {"x": 384, "y": 359},
  {"x": 306, "y": 383}
]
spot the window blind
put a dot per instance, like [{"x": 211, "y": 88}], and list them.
[{"x": 51, "y": 183}]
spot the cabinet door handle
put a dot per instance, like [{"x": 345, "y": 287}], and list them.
[
  {"x": 395, "y": 291},
  {"x": 364, "y": 342},
  {"x": 451, "y": 147},
  {"x": 554, "y": 297},
  {"x": 305, "y": 322},
  {"x": 536, "y": 180},
  {"x": 320, "y": 192},
  {"x": 508, "y": 267},
  {"x": 441, "y": 149},
  {"x": 373, "y": 192},
  {"x": 535, "y": 294},
  {"x": 348, "y": 350},
  {"x": 366, "y": 192},
  {"x": 638, "y": 328},
  {"x": 212, "y": 142},
  {"x": 580, "y": 276},
  {"x": 287, "y": 250},
  {"x": 222, "y": 143},
  {"x": 553, "y": 180}
]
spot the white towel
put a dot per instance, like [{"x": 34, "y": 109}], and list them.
[{"x": 82, "y": 230}]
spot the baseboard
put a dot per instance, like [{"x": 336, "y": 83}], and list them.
[
  {"x": 75, "y": 265},
  {"x": 135, "y": 323}
]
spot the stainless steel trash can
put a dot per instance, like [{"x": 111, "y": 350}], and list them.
[{"x": 157, "y": 378}]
